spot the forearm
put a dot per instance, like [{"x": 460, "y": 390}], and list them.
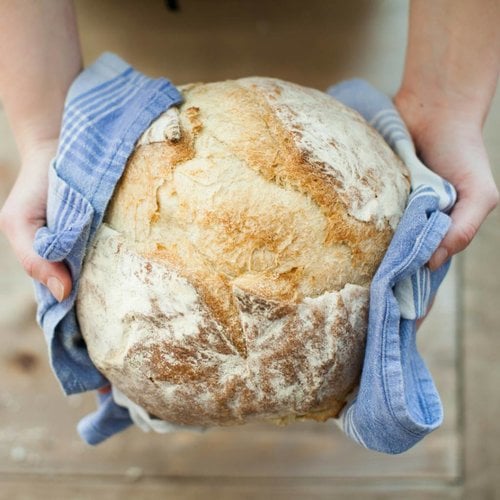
[
  {"x": 453, "y": 57},
  {"x": 39, "y": 58}
]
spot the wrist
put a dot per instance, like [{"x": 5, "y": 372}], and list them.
[
  {"x": 38, "y": 124},
  {"x": 452, "y": 62},
  {"x": 428, "y": 113},
  {"x": 33, "y": 140},
  {"x": 435, "y": 100},
  {"x": 37, "y": 153}
]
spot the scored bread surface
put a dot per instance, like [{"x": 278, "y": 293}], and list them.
[{"x": 230, "y": 279}]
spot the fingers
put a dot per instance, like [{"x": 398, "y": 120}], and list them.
[
  {"x": 54, "y": 275},
  {"x": 474, "y": 204}
]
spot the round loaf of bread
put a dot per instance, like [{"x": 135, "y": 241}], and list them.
[{"x": 229, "y": 281}]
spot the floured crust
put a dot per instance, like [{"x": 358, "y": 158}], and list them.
[
  {"x": 171, "y": 356},
  {"x": 231, "y": 276}
]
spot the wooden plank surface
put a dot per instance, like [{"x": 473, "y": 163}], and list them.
[
  {"x": 481, "y": 331},
  {"x": 40, "y": 453},
  {"x": 77, "y": 489}
]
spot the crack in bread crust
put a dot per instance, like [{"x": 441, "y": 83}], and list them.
[{"x": 175, "y": 361}]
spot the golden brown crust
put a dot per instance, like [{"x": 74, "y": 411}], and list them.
[
  {"x": 259, "y": 227},
  {"x": 302, "y": 359}
]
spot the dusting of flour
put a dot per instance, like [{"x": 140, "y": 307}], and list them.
[{"x": 346, "y": 148}]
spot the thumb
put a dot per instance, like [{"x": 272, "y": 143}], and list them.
[{"x": 54, "y": 275}]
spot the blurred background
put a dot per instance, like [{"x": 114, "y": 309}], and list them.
[{"x": 314, "y": 43}]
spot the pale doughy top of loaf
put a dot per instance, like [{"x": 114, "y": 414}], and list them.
[{"x": 275, "y": 195}]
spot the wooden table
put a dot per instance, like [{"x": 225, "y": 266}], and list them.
[{"x": 314, "y": 43}]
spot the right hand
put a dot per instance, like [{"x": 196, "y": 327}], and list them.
[{"x": 24, "y": 212}]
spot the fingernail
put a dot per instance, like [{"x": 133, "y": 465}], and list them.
[
  {"x": 438, "y": 259},
  {"x": 56, "y": 288}
]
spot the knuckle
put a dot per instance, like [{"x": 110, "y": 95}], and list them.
[
  {"x": 493, "y": 198},
  {"x": 28, "y": 263},
  {"x": 465, "y": 234}
]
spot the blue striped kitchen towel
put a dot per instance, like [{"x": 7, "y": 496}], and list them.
[
  {"x": 397, "y": 403},
  {"x": 108, "y": 107}
]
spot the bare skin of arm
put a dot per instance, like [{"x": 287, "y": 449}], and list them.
[
  {"x": 450, "y": 77},
  {"x": 39, "y": 58}
]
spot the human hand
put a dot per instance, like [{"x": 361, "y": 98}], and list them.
[
  {"x": 39, "y": 58},
  {"x": 24, "y": 212},
  {"x": 449, "y": 142},
  {"x": 450, "y": 77}
]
